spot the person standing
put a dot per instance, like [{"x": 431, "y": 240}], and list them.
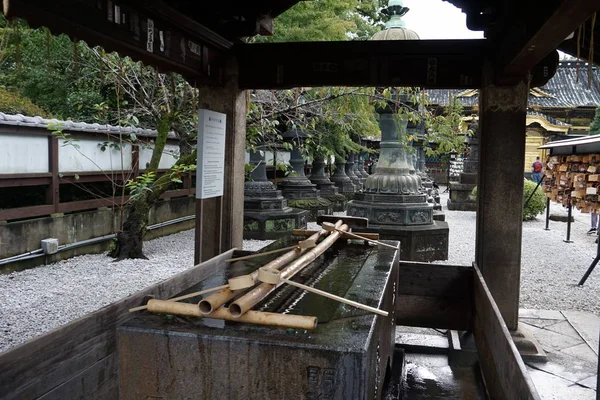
[
  {"x": 594, "y": 221},
  {"x": 536, "y": 170}
]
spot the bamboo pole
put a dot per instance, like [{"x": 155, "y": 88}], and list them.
[
  {"x": 251, "y": 317},
  {"x": 185, "y": 296},
  {"x": 305, "y": 244},
  {"x": 347, "y": 235},
  {"x": 216, "y": 300},
  {"x": 273, "y": 276},
  {"x": 328, "y": 226},
  {"x": 250, "y": 299},
  {"x": 337, "y": 298}
]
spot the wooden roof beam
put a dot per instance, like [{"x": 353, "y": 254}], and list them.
[
  {"x": 423, "y": 63},
  {"x": 147, "y": 31},
  {"x": 524, "y": 47}
]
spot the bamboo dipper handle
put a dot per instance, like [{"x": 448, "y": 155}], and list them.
[
  {"x": 328, "y": 226},
  {"x": 261, "y": 254},
  {"x": 273, "y": 276},
  {"x": 336, "y": 298},
  {"x": 185, "y": 296},
  {"x": 371, "y": 240}
]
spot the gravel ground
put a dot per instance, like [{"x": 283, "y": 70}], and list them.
[
  {"x": 551, "y": 268},
  {"x": 38, "y": 300}
]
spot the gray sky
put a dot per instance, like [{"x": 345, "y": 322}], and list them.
[{"x": 437, "y": 19}]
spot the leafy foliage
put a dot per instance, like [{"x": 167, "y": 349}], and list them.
[
  {"x": 11, "y": 102},
  {"x": 447, "y": 131},
  {"x": 50, "y": 70},
  {"x": 595, "y": 126},
  {"x": 140, "y": 185},
  {"x": 536, "y": 205},
  {"x": 327, "y": 20}
]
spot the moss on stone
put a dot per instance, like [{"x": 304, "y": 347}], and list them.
[{"x": 310, "y": 204}]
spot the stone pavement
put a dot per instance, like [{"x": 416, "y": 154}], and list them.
[{"x": 570, "y": 339}]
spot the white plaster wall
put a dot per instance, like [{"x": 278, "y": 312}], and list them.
[
  {"x": 89, "y": 157},
  {"x": 282, "y": 157},
  {"x": 20, "y": 154},
  {"x": 166, "y": 161}
]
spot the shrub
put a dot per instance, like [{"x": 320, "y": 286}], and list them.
[
  {"x": 536, "y": 205},
  {"x": 13, "y": 103}
]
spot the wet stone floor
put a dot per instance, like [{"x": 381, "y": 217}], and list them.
[{"x": 569, "y": 339}]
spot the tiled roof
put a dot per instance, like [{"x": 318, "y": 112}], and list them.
[
  {"x": 39, "y": 122},
  {"x": 569, "y": 88},
  {"x": 548, "y": 118}
]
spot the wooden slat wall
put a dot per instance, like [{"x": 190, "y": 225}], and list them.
[
  {"x": 505, "y": 374},
  {"x": 435, "y": 296},
  {"x": 79, "y": 360}
]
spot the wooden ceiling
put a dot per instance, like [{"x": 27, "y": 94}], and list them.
[
  {"x": 196, "y": 38},
  {"x": 571, "y": 21}
]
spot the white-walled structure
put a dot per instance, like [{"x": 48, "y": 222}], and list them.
[
  {"x": 90, "y": 148},
  {"x": 23, "y": 154}
]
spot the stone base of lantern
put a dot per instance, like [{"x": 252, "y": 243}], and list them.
[
  {"x": 438, "y": 215},
  {"x": 407, "y": 218},
  {"x": 422, "y": 243},
  {"x": 273, "y": 224},
  {"x": 346, "y": 188},
  {"x": 315, "y": 207},
  {"x": 460, "y": 197},
  {"x": 339, "y": 202}
]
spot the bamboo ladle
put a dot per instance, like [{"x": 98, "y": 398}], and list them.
[
  {"x": 303, "y": 244},
  {"x": 273, "y": 277},
  {"x": 217, "y": 299},
  {"x": 328, "y": 226}
]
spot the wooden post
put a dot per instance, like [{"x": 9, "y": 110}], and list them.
[
  {"x": 500, "y": 192},
  {"x": 53, "y": 191},
  {"x": 220, "y": 223}
]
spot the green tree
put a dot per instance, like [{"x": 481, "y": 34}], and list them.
[
  {"x": 169, "y": 104},
  {"x": 326, "y": 20},
  {"x": 55, "y": 73},
  {"x": 537, "y": 203},
  {"x": 11, "y": 102},
  {"x": 447, "y": 130},
  {"x": 595, "y": 126}
]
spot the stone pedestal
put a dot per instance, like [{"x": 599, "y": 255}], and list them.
[
  {"x": 326, "y": 187},
  {"x": 343, "y": 181},
  {"x": 301, "y": 192},
  {"x": 356, "y": 181},
  {"x": 348, "y": 357},
  {"x": 421, "y": 243},
  {"x": 266, "y": 212},
  {"x": 361, "y": 166},
  {"x": 395, "y": 203},
  {"x": 460, "y": 193},
  {"x": 356, "y": 169}
]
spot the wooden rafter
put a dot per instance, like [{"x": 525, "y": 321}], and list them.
[{"x": 526, "y": 44}]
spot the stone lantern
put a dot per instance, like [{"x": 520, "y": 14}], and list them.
[
  {"x": 266, "y": 212},
  {"x": 326, "y": 187},
  {"x": 393, "y": 198},
  {"x": 360, "y": 164},
  {"x": 356, "y": 181},
  {"x": 296, "y": 187},
  {"x": 460, "y": 192},
  {"x": 341, "y": 180}
]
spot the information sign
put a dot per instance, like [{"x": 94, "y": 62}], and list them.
[{"x": 211, "y": 154}]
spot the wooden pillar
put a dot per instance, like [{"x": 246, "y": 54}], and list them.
[
  {"x": 500, "y": 192},
  {"x": 53, "y": 191},
  {"x": 210, "y": 239}
]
